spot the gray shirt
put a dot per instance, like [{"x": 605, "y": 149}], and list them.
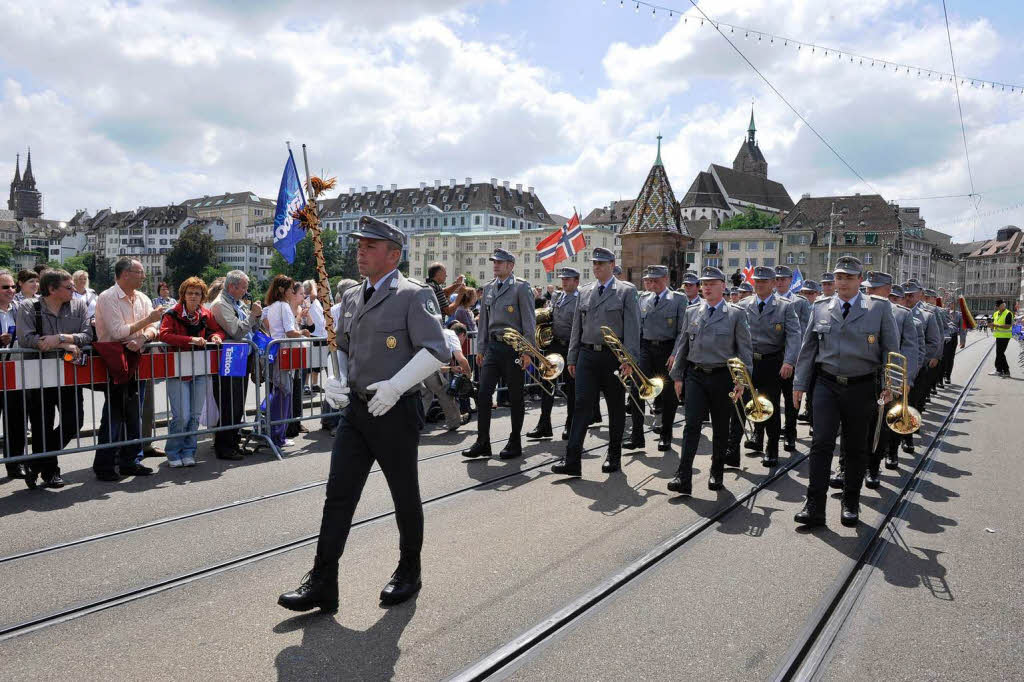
[
  {"x": 710, "y": 339},
  {"x": 911, "y": 344},
  {"x": 617, "y": 308},
  {"x": 381, "y": 335},
  {"x": 661, "y": 318},
  {"x": 802, "y": 307},
  {"x": 943, "y": 317},
  {"x": 72, "y": 319},
  {"x": 511, "y": 305},
  {"x": 775, "y": 329},
  {"x": 850, "y": 347},
  {"x": 932, "y": 333},
  {"x": 563, "y": 310}
]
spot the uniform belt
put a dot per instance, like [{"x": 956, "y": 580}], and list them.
[
  {"x": 364, "y": 396},
  {"x": 596, "y": 347},
  {"x": 708, "y": 369},
  {"x": 658, "y": 342},
  {"x": 846, "y": 381},
  {"x": 767, "y": 356}
]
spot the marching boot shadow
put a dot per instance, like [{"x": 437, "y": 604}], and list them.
[{"x": 330, "y": 650}]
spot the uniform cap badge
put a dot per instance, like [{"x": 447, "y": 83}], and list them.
[
  {"x": 391, "y": 342},
  {"x": 510, "y": 309}
]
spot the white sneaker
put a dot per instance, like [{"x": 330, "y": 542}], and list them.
[
  {"x": 995, "y": 373},
  {"x": 175, "y": 463},
  {"x": 188, "y": 461},
  {"x": 288, "y": 442}
]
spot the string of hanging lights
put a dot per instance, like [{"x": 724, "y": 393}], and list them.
[{"x": 846, "y": 56}]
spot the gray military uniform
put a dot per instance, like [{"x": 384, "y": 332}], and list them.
[
  {"x": 932, "y": 334},
  {"x": 911, "y": 344},
  {"x": 510, "y": 306},
  {"x": 851, "y": 347},
  {"x": 381, "y": 335},
  {"x": 709, "y": 343},
  {"x": 563, "y": 310},
  {"x": 662, "y": 321},
  {"x": 617, "y": 308},
  {"x": 802, "y": 307},
  {"x": 775, "y": 330}
]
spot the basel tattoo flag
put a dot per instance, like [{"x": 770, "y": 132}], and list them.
[
  {"x": 562, "y": 244},
  {"x": 287, "y": 230}
]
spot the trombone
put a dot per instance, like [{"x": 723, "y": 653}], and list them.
[
  {"x": 549, "y": 367},
  {"x": 647, "y": 389},
  {"x": 900, "y": 417},
  {"x": 758, "y": 409}
]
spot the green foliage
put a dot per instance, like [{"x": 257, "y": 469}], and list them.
[
  {"x": 304, "y": 266},
  {"x": 349, "y": 266},
  {"x": 751, "y": 220},
  {"x": 101, "y": 274},
  {"x": 191, "y": 255},
  {"x": 6, "y": 256},
  {"x": 54, "y": 265},
  {"x": 212, "y": 272},
  {"x": 83, "y": 261},
  {"x": 471, "y": 282}
]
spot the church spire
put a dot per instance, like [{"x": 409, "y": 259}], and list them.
[
  {"x": 17, "y": 171},
  {"x": 751, "y": 130},
  {"x": 28, "y": 180},
  {"x": 657, "y": 161}
]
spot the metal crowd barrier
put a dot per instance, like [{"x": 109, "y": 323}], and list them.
[{"x": 58, "y": 406}]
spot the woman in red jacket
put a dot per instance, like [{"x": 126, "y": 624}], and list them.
[{"x": 187, "y": 325}]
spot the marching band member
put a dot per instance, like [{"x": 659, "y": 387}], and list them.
[
  {"x": 775, "y": 338},
  {"x": 713, "y": 332},
  {"x": 607, "y": 302},
  {"x": 913, "y": 297},
  {"x": 389, "y": 340},
  {"x": 746, "y": 290},
  {"x": 828, "y": 284},
  {"x": 508, "y": 302},
  {"x": 845, "y": 344},
  {"x": 563, "y": 309},
  {"x": 661, "y": 319},
  {"x": 783, "y": 283},
  {"x": 691, "y": 288},
  {"x": 810, "y": 290}
]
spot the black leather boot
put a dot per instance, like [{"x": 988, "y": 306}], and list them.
[
  {"x": 892, "y": 461},
  {"x": 405, "y": 582},
  {"x": 543, "y": 430},
  {"x": 871, "y": 480},
  {"x": 838, "y": 480},
  {"x": 512, "y": 449},
  {"x": 612, "y": 463},
  {"x": 478, "y": 449},
  {"x": 319, "y": 588},
  {"x": 567, "y": 468},
  {"x": 851, "y": 514},
  {"x": 681, "y": 485},
  {"x": 771, "y": 458},
  {"x": 811, "y": 515}
]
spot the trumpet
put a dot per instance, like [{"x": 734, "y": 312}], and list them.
[
  {"x": 647, "y": 389},
  {"x": 548, "y": 366},
  {"x": 758, "y": 409}
]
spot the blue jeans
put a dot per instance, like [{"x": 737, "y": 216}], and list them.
[{"x": 186, "y": 399}]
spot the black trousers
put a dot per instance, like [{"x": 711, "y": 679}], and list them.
[
  {"x": 12, "y": 409},
  {"x": 653, "y": 356},
  {"x": 547, "y": 400},
  {"x": 595, "y": 372},
  {"x": 1001, "y": 364},
  {"x": 44, "y": 405},
  {"x": 789, "y": 427},
  {"x": 948, "y": 355},
  {"x": 706, "y": 393},
  {"x": 229, "y": 394},
  {"x": 121, "y": 420},
  {"x": 391, "y": 440},
  {"x": 768, "y": 383},
  {"x": 500, "y": 362},
  {"x": 298, "y": 381},
  {"x": 850, "y": 410}
]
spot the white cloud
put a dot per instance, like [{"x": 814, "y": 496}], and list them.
[{"x": 128, "y": 104}]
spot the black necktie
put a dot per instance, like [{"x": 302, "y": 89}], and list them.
[
  {"x": 499, "y": 284},
  {"x": 711, "y": 311},
  {"x": 600, "y": 290},
  {"x": 760, "y": 306},
  {"x": 846, "y": 309},
  {"x": 367, "y": 293}
]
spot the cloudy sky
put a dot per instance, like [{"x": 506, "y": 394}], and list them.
[{"x": 139, "y": 102}]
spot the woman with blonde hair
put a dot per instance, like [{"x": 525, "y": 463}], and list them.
[{"x": 284, "y": 297}]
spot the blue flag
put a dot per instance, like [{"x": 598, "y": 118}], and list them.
[
  {"x": 798, "y": 282},
  {"x": 233, "y": 359},
  {"x": 287, "y": 231}
]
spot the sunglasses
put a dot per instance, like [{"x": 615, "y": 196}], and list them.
[{"x": 7, "y": 286}]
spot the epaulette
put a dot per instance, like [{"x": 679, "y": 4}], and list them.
[
  {"x": 823, "y": 299},
  {"x": 733, "y": 305},
  {"x": 900, "y": 305},
  {"x": 878, "y": 298},
  {"x": 415, "y": 281}
]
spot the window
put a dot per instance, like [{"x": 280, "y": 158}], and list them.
[
  {"x": 850, "y": 238},
  {"x": 769, "y": 246},
  {"x": 476, "y": 220},
  {"x": 790, "y": 258},
  {"x": 769, "y": 262},
  {"x": 869, "y": 258},
  {"x": 801, "y": 258},
  {"x": 752, "y": 246},
  {"x": 734, "y": 246},
  {"x": 713, "y": 262},
  {"x": 691, "y": 257},
  {"x": 734, "y": 262},
  {"x": 871, "y": 238}
]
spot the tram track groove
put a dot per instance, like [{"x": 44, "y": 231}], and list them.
[{"x": 504, "y": 660}]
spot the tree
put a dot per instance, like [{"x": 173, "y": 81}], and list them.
[
  {"x": 751, "y": 220},
  {"x": 6, "y": 256},
  {"x": 212, "y": 272},
  {"x": 190, "y": 255},
  {"x": 101, "y": 275},
  {"x": 83, "y": 261},
  {"x": 304, "y": 266},
  {"x": 349, "y": 266}
]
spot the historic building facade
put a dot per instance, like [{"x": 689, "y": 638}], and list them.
[{"x": 24, "y": 200}]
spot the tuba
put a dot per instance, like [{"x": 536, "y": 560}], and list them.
[
  {"x": 758, "y": 409},
  {"x": 647, "y": 389},
  {"x": 545, "y": 333},
  {"x": 549, "y": 367}
]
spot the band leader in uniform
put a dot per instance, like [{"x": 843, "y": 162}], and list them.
[
  {"x": 713, "y": 332},
  {"x": 845, "y": 345},
  {"x": 389, "y": 340},
  {"x": 607, "y": 302},
  {"x": 661, "y": 320},
  {"x": 563, "y": 309},
  {"x": 508, "y": 303}
]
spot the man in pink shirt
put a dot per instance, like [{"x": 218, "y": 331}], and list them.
[{"x": 126, "y": 315}]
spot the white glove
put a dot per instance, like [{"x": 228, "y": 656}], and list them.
[
  {"x": 387, "y": 392},
  {"x": 336, "y": 392}
]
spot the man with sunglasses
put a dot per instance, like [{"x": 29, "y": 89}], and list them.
[{"x": 12, "y": 402}]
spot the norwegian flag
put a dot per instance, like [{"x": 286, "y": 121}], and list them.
[
  {"x": 562, "y": 244},
  {"x": 748, "y": 272}
]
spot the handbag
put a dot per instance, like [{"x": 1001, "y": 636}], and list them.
[{"x": 122, "y": 364}]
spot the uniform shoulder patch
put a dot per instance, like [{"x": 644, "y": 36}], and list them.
[
  {"x": 878, "y": 298},
  {"x": 824, "y": 299},
  {"x": 416, "y": 282},
  {"x": 898, "y": 305}
]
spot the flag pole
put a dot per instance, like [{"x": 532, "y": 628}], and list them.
[{"x": 323, "y": 281}]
